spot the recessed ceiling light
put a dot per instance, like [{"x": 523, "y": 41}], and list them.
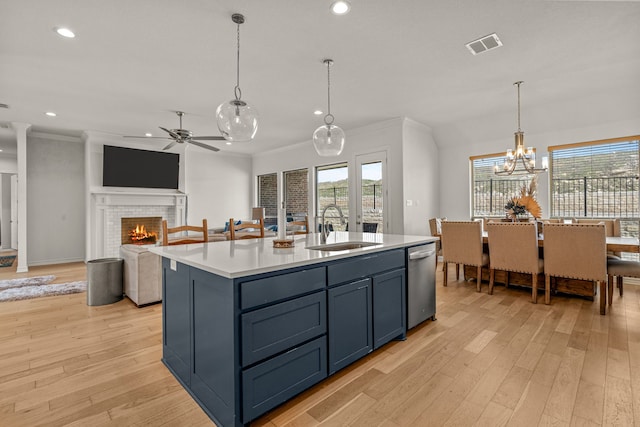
[
  {"x": 340, "y": 7},
  {"x": 0, "y": 150},
  {"x": 148, "y": 134},
  {"x": 228, "y": 143},
  {"x": 51, "y": 114},
  {"x": 65, "y": 32},
  {"x": 317, "y": 112}
]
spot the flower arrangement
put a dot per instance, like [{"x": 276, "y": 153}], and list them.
[{"x": 525, "y": 202}]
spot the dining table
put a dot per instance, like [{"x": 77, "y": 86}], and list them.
[{"x": 614, "y": 243}]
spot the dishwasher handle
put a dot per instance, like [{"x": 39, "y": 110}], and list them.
[{"x": 421, "y": 254}]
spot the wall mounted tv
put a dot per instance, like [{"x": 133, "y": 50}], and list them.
[{"x": 130, "y": 167}]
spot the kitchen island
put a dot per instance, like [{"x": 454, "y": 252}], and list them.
[{"x": 247, "y": 326}]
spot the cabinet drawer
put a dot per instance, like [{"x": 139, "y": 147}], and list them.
[
  {"x": 276, "y": 328},
  {"x": 271, "y": 383},
  {"x": 365, "y": 266},
  {"x": 275, "y": 288}
]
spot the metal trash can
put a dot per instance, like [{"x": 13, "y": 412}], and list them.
[{"x": 104, "y": 281}]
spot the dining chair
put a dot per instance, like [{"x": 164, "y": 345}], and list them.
[
  {"x": 620, "y": 268},
  {"x": 513, "y": 246},
  {"x": 435, "y": 226},
  {"x": 462, "y": 244},
  {"x": 299, "y": 227},
  {"x": 369, "y": 227},
  {"x": 184, "y": 238},
  {"x": 576, "y": 251},
  {"x": 246, "y": 229},
  {"x": 611, "y": 227}
]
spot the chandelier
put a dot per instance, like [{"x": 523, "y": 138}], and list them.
[
  {"x": 237, "y": 119},
  {"x": 328, "y": 139},
  {"x": 527, "y": 157}
]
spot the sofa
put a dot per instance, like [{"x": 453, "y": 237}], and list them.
[{"x": 142, "y": 274}]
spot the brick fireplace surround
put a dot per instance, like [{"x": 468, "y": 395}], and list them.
[{"x": 109, "y": 207}]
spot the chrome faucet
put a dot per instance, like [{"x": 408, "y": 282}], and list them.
[{"x": 325, "y": 228}]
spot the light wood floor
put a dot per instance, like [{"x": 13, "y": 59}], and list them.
[{"x": 487, "y": 360}]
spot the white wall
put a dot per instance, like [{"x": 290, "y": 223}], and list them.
[
  {"x": 382, "y": 136},
  {"x": 55, "y": 199},
  {"x": 455, "y": 151},
  {"x": 420, "y": 177},
  {"x": 218, "y": 186},
  {"x": 5, "y": 210}
]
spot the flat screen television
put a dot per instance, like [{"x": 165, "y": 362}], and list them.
[{"x": 130, "y": 167}]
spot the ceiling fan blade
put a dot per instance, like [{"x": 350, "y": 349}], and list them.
[
  {"x": 146, "y": 137},
  {"x": 209, "y": 138},
  {"x": 173, "y": 134},
  {"x": 171, "y": 144},
  {"x": 208, "y": 147}
]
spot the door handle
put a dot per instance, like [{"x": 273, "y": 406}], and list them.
[{"x": 421, "y": 254}]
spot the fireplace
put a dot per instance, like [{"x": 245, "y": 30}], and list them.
[{"x": 144, "y": 230}]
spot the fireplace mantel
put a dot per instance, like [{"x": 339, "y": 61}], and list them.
[{"x": 109, "y": 206}]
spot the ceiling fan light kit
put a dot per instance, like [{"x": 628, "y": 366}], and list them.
[
  {"x": 237, "y": 120},
  {"x": 328, "y": 139}
]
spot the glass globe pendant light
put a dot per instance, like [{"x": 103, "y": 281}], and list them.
[
  {"x": 237, "y": 119},
  {"x": 328, "y": 139}
]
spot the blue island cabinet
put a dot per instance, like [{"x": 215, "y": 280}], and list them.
[{"x": 243, "y": 346}]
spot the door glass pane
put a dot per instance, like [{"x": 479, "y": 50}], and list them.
[
  {"x": 333, "y": 188},
  {"x": 296, "y": 189},
  {"x": 372, "y": 199},
  {"x": 268, "y": 197}
]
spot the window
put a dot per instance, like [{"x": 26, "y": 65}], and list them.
[
  {"x": 490, "y": 192},
  {"x": 296, "y": 189},
  {"x": 332, "y": 187},
  {"x": 268, "y": 197},
  {"x": 597, "y": 179}
]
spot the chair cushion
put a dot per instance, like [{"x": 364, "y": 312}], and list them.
[{"x": 621, "y": 267}]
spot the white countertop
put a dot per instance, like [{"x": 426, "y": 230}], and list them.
[{"x": 240, "y": 258}]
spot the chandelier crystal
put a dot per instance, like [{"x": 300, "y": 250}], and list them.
[
  {"x": 328, "y": 139},
  {"x": 527, "y": 157},
  {"x": 237, "y": 119}
]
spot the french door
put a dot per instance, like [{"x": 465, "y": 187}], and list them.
[{"x": 371, "y": 190}]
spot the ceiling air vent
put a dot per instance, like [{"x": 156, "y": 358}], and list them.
[
  {"x": 4, "y": 105},
  {"x": 484, "y": 44}
]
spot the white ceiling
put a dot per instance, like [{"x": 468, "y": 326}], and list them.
[{"x": 134, "y": 62}]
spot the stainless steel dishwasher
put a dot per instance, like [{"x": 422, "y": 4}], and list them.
[{"x": 421, "y": 284}]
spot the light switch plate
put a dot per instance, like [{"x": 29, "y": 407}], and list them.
[
  {"x": 409, "y": 202},
  {"x": 173, "y": 265}
]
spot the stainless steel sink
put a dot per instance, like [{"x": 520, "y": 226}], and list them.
[{"x": 342, "y": 246}]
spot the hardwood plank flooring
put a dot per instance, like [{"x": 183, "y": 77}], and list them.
[{"x": 488, "y": 360}]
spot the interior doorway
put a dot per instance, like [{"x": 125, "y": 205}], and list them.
[{"x": 371, "y": 188}]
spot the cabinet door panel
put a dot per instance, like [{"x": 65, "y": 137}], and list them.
[
  {"x": 388, "y": 307},
  {"x": 176, "y": 319},
  {"x": 350, "y": 328}
]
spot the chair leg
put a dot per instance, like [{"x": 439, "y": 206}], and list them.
[
  {"x": 603, "y": 297},
  {"x": 492, "y": 274},
  {"x": 479, "y": 278},
  {"x": 506, "y": 283},
  {"x": 610, "y": 288},
  {"x": 458, "y": 271},
  {"x": 547, "y": 289},
  {"x": 620, "y": 285},
  {"x": 534, "y": 288},
  {"x": 445, "y": 267}
]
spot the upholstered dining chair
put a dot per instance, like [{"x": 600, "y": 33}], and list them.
[
  {"x": 576, "y": 251},
  {"x": 299, "y": 227},
  {"x": 246, "y": 229},
  {"x": 611, "y": 227},
  {"x": 620, "y": 268},
  {"x": 462, "y": 244},
  {"x": 513, "y": 246},
  {"x": 185, "y": 237}
]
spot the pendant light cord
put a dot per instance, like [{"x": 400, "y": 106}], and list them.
[
  {"x": 518, "y": 84},
  {"x": 328, "y": 118},
  {"x": 237, "y": 91}
]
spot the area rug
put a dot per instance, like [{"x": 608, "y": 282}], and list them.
[
  {"x": 27, "y": 281},
  {"x": 26, "y": 291},
  {"x": 7, "y": 261}
]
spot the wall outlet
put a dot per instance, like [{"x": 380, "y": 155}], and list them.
[{"x": 409, "y": 202}]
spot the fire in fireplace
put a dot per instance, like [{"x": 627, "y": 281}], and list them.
[{"x": 141, "y": 230}]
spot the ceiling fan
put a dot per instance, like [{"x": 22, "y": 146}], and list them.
[{"x": 180, "y": 136}]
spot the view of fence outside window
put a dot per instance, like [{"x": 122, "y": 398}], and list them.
[
  {"x": 268, "y": 197},
  {"x": 332, "y": 187},
  {"x": 597, "y": 179},
  {"x": 491, "y": 192}
]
